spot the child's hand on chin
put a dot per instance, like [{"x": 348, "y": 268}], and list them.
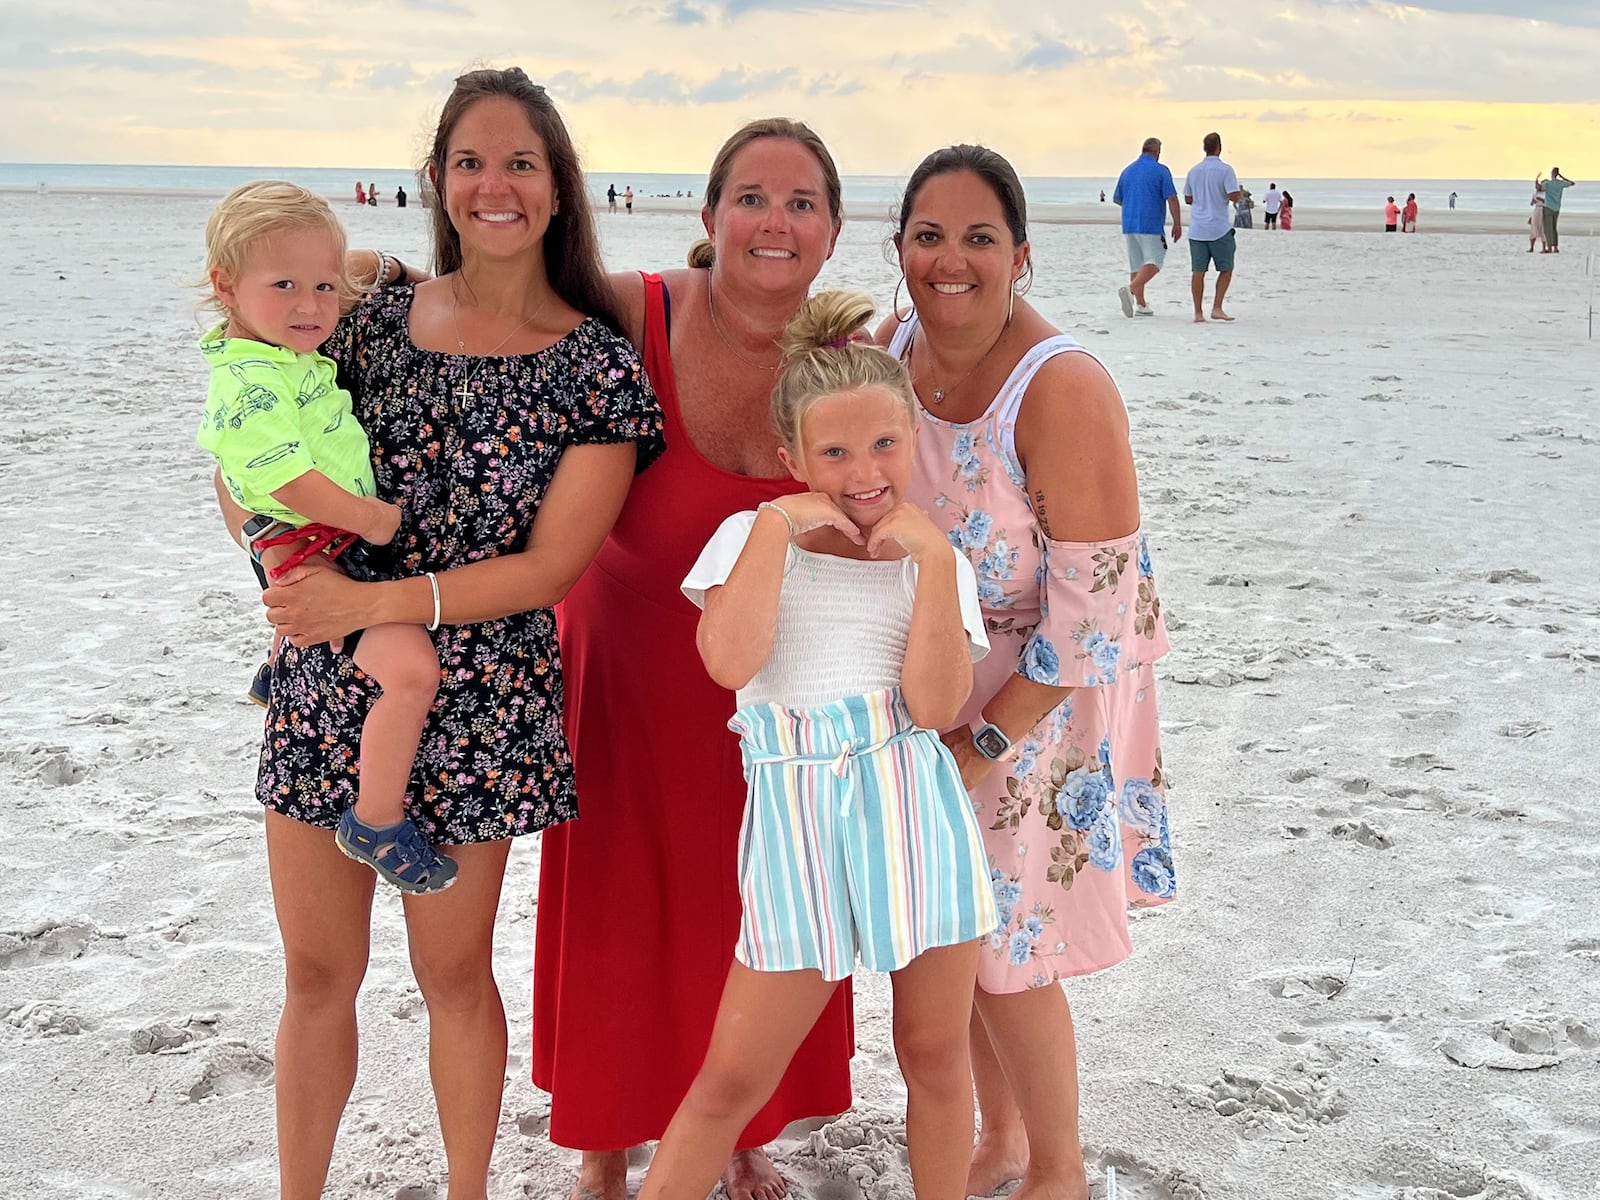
[
  {"x": 910, "y": 528},
  {"x": 814, "y": 510}
]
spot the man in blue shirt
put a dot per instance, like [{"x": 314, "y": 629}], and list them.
[
  {"x": 1142, "y": 187},
  {"x": 1553, "y": 187}
]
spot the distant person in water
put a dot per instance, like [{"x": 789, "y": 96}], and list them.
[
  {"x": 361, "y": 193},
  {"x": 372, "y": 194},
  {"x": 400, "y": 197}
]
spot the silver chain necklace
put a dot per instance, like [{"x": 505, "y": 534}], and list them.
[{"x": 464, "y": 392}]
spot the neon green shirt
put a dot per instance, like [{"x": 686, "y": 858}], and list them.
[{"x": 271, "y": 415}]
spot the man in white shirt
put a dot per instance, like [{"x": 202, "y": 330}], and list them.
[
  {"x": 1208, "y": 189},
  {"x": 1270, "y": 203}
]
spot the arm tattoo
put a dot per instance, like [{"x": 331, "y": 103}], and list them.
[{"x": 1039, "y": 511}]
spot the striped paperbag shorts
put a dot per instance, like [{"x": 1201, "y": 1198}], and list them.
[{"x": 858, "y": 837}]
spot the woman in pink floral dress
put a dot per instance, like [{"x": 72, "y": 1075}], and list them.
[{"x": 1023, "y": 458}]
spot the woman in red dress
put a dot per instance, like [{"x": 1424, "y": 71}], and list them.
[{"x": 638, "y": 899}]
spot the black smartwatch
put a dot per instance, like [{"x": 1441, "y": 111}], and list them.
[
  {"x": 255, "y": 527},
  {"x": 990, "y": 740}
]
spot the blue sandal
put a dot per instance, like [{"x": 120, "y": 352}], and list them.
[{"x": 399, "y": 853}]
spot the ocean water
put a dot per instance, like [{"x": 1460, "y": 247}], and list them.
[{"x": 863, "y": 194}]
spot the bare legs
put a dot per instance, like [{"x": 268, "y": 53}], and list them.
[
  {"x": 451, "y": 935},
  {"x": 324, "y": 905},
  {"x": 1197, "y": 288},
  {"x": 404, "y": 662},
  {"x": 750, "y": 1175},
  {"x": 932, "y": 1012},
  {"x": 1137, "y": 281},
  {"x": 1025, "y": 1062},
  {"x": 763, "y": 1018}
]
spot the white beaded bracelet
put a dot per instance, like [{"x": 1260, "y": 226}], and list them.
[
  {"x": 433, "y": 582},
  {"x": 384, "y": 263},
  {"x": 782, "y": 512}
]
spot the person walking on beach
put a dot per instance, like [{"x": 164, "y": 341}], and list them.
[
  {"x": 1452, "y": 202},
  {"x": 1286, "y": 213},
  {"x": 1270, "y": 203},
  {"x": 1553, "y": 187},
  {"x": 611, "y": 197},
  {"x": 1143, "y": 190},
  {"x": 627, "y": 199},
  {"x": 1391, "y": 216},
  {"x": 1408, "y": 216},
  {"x": 503, "y": 399},
  {"x": 289, "y": 450},
  {"x": 848, "y": 625},
  {"x": 1208, "y": 188}
]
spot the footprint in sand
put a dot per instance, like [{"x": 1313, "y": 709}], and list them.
[
  {"x": 230, "y": 1068},
  {"x": 1139, "y": 1179},
  {"x": 68, "y": 939},
  {"x": 46, "y": 1018},
  {"x": 1271, "y": 1108},
  {"x": 175, "y": 1035},
  {"x": 1360, "y": 831},
  {"x": 1420, "y": 1171}
]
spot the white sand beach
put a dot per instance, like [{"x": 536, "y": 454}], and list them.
[{"x": 1372, "y": 503}]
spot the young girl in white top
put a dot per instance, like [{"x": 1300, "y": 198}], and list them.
[{"x": 848, "y": 626}]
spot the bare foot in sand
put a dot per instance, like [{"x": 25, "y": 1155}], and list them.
[
  {"x": 1199, "y": 319},
  {"x": 751, "y": 1176},
  {"x": 603, "y": 1176},
  {"x": 1218, "y": 315},
  {"x": 996, "y": 1162},
  {"x": 1052, "y": 1189}
]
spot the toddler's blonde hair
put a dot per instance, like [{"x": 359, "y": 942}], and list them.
[
  {"x": 250, "y": 214},
  {"x": 819, "y": 359}
]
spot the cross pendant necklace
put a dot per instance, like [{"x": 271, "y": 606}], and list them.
[{"x": 464, "y": 392}]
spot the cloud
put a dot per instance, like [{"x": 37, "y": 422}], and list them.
[
  {"x": 683, "y": 13},
  {"x": 1271, "y": 114},
  {"x": 390, "y": 76},
  {"x": 1047, "y": 55},
  {"x": 449, "y": 7},
  {"x": 744, "y": 8},
  {"x": 663, "y": 87}
]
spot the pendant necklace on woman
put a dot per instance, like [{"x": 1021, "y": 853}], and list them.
[
  {"x": 464, "y": 392},
  {"x": 726, "y": 340},
  {"x": 939, "y": 393}
]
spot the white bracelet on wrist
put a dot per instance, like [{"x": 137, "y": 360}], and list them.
[{"x": 433, "y": 582}]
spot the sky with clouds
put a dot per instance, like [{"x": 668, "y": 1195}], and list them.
[{"x": 1301, "y": 88}]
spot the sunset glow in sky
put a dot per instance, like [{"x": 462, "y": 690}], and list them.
[{"x": 1301, "y": 88}]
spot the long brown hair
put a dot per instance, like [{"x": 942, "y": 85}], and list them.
[
  {"x": 703, "y": 253},
  {"x": 571, "y": 245}
]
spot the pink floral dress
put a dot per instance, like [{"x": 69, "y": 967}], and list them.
[{"x": 1076, "y": 824}]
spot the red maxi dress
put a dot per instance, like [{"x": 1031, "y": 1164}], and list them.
[{"x": 638, "y": 898}]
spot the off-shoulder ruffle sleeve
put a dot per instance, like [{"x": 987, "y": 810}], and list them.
[{"x": 1100, "y": 614}]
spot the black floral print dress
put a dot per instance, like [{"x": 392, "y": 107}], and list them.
[{"x": 466, "y": 447}]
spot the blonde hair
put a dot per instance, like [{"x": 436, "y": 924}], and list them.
[
  {"x": 249, "y": 215},
  {"x": 704, "y": 252},
  {"x": 819, "y": 360}
]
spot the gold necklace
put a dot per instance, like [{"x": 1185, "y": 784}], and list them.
[
  {"x": 464, "y": 392},
  {"x": 940, "y": 393},
  {"x": 717, "y": 325}
]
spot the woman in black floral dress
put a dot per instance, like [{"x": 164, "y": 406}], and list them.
[{"x": 507, "y": 418}]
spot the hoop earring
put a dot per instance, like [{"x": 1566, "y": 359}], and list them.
[
  {"x": 895, "y": 304},
  {"x": 1011, "y": 303}
]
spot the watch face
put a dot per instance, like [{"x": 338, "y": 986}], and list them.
[{"x": 991, "y": 741}]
